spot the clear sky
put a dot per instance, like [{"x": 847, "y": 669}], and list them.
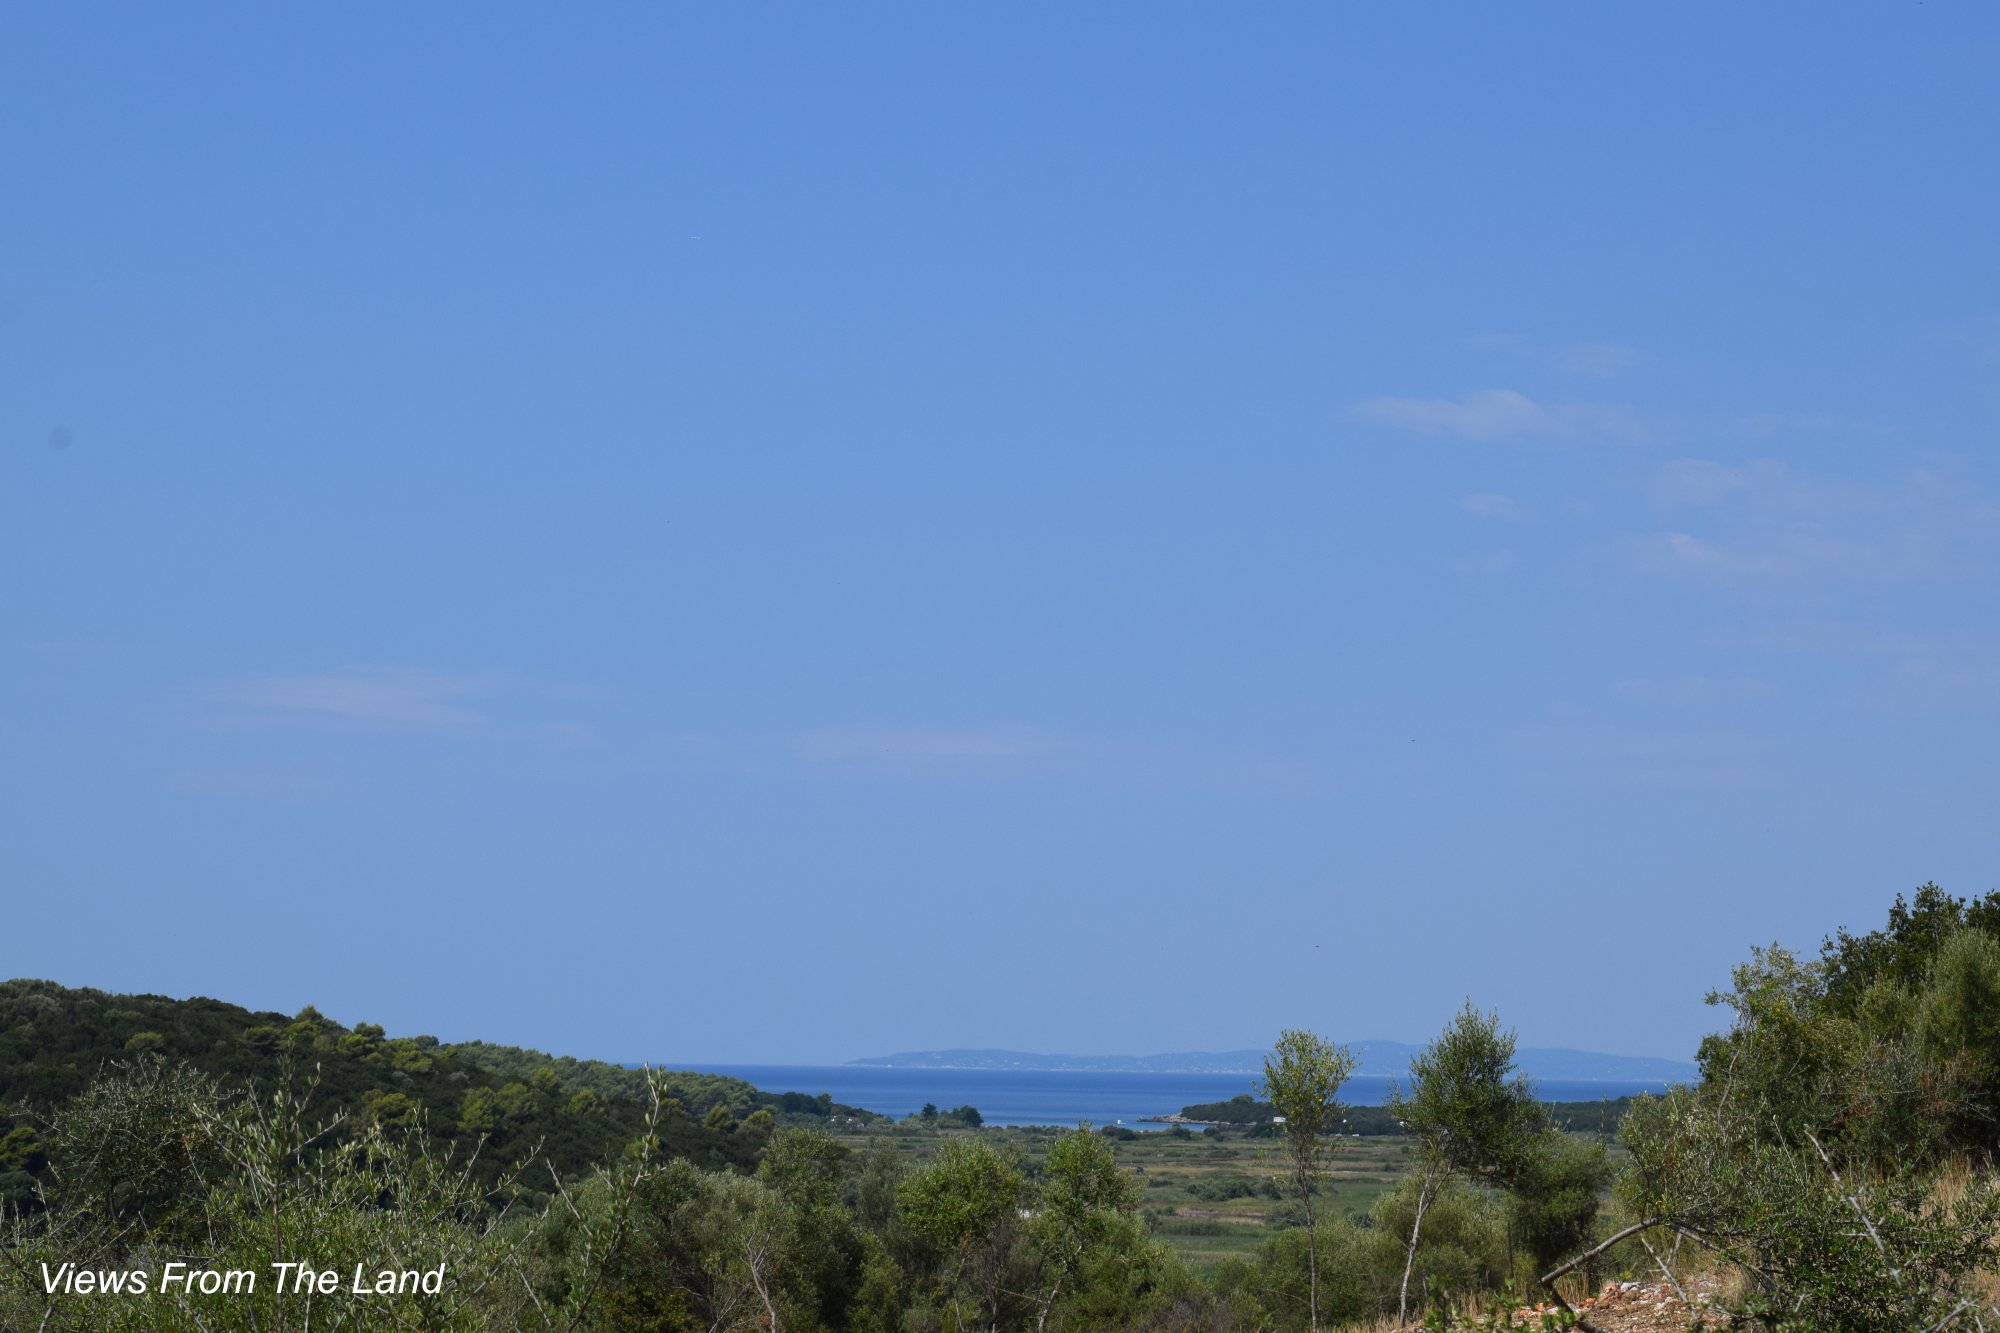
[{"x": 781, "y": 534}]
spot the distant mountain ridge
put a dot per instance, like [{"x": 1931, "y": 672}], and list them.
[{"x": 1378, "y": 1059}]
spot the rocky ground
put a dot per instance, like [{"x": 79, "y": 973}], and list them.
[
  {"x": 1642, "y": 1307},
  {"x": 1631, "y": 1307}
]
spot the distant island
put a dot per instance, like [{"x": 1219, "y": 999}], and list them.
[{"x": 1378, "y": 1059}]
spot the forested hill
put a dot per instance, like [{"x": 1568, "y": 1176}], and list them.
[{"x": 55, "y": 1040}]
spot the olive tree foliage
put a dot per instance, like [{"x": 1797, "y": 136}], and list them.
[
  {"x": 136, "y": 1154},
  {"x": 1856, "y": 1079},
  {"x": 1862, "y": 1250},
  {"x": 242, "y": 1183},
  {"x": 1471, "y": 1114},
  {"x": 824, "y": 1251},
  {"x": 1955, "y": 1025},
  {"x": 1362, "y": 1259},
  {"x": 989, "y": 1241},
  {"x": 1130, "y": 1281},
  {"x": 1903, "y": 951},
  {"x": 1466, "y": 1105},
  {"x": 654, "y": 1244},
  {"x": 1824, "y": 1148},
  {"x": 695, "y": 1250},
  {"x": 1078, "y": 1209},
  {"x": 1887, "y": 1046},
  {"x": 962, "y": 1210},
  {"x": 1303, "y": 1075},
  {"x": 1554, "y": 1197}
]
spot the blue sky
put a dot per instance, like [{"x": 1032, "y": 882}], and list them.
[{"x": 784, "y": 535}]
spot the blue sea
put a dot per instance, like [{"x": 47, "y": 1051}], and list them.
[{"x": 1065, "y": 1097}]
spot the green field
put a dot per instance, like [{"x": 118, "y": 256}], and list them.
[
  {"x": 1208, "y": 1195},
  {"x": 1208, "y": 1229}
]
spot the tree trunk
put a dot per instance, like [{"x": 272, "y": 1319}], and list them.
[
  {"x": 1549, "y": 1278},
  {"x": 1312, "y": 1261},
  {"x": 1048, "y": 1303},
  {"x": 1410, "y": 1255},
  {"x": 1042, "y": 1315},
  {"x": 755, "y": 1259}
]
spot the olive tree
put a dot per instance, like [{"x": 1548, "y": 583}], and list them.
[
  {"x": 1077, "y": 1210},
  {"x": 1470, "y": 1113},
  {"x": 963, "y": 1208},
  {"x": 1303, "y": 1075}
]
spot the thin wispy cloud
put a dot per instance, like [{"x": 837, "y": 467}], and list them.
[
  {"x": 902, "y": 745},
  {"x": 382, "y": 696},
  {"x": 1598, "y": 360},
  {"x": 1694, "y": 690},
  {"x": 1764, "y": 519},
  {"x": 1962, "y": 677},
  {"x": 1503, "y": 507},
  {"x": 1152, "y": 762},
  {"x": 1703, "y": 481},
  {"x": 1507, "y": 415},
  {"x": 1771, "y": 486},
  {"x": 1763, "y": 425},
  {"x": 1782, "y": 556}
]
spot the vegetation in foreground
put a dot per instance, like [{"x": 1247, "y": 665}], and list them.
[{"x": 1834, "y": 1162}]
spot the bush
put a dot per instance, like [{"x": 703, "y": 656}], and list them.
[{"x": 1553, "y": 1200}]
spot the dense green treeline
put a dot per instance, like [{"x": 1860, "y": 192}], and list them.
[
  {"x": 56, "y": 1041},
  {"x": 699, "y": 1093}
]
